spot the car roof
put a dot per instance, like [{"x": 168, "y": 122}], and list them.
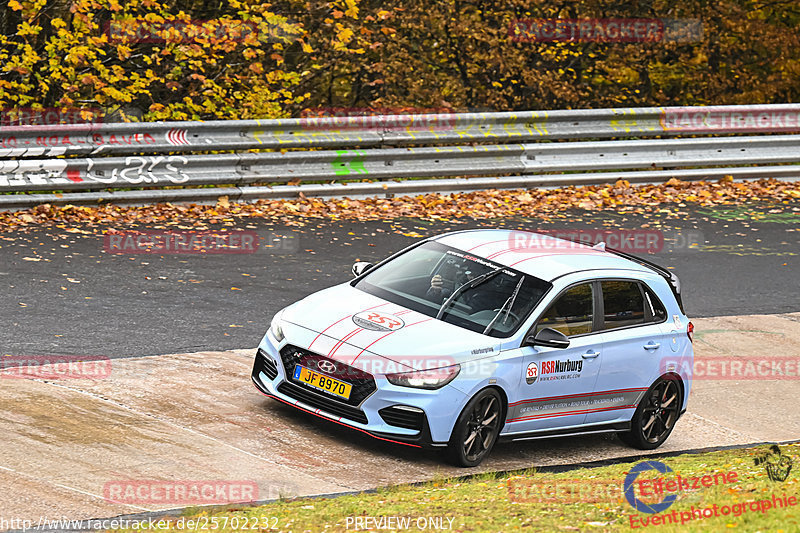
[{"x": 539, "y": 255}]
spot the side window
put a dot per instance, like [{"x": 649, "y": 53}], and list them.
[
  {"x": 571, "y": 313},
  {"x": 654, "y": 306},
  {"x": 623, "y": 304}
]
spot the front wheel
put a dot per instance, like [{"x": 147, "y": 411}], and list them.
[
  {"x": 656, "y": 415},
  {"x": 476, "y": 429}
]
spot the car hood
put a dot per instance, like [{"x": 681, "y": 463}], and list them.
[{"x": 349, "y": 325}]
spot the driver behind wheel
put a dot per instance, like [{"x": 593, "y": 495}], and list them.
[
  {"x": 486, "y": 297},
  {"x": 443, "y": 284}
]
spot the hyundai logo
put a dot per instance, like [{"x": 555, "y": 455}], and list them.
[{"x": 326, "y": 366}]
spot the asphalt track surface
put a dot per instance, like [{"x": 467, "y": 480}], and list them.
[
  {"x": 63, "y": 294},
  {"x": 196, "y": 416}
]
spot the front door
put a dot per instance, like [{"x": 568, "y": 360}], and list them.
[{"x": 556, "y": 385}]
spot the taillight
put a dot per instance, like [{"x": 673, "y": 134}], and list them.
[{"x": 690, "y": 331}]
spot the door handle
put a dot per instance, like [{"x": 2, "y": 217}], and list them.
[
  {"x": 590, "y": 354},
  {"x": 651, "y": 345}
]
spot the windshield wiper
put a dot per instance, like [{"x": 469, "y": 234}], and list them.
[
  {"x": 510, "y": 303},
  {"x": 466, "y": 286}
]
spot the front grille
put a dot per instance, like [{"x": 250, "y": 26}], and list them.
[
  {"x": 266, "y": 364},
  {"x": 314, "y": 399},
  {"x": 398, "y": 415},
  {"x": 363, "y": 383}
]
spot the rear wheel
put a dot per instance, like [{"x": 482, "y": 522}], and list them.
[
  {"x": 656, "y": 415},
  {"x": 476, "y": 429}
]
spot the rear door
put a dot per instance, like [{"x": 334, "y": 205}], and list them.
[
  {"x": 633, "y": 343},
  {"x": 557, "y": 383}
]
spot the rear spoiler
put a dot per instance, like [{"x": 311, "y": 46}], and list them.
[{"x": 672, "y": 279}]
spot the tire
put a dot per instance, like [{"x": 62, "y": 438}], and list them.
[
  {"x": 655, "y": 416},
  {"x": 476, "y": 429}
]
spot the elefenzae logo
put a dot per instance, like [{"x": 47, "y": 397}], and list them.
[
  {"x": 630, "y": 495},
  {"x": 669, "y": 486}
]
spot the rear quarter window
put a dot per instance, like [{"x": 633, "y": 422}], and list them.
[{"x": 653, "y": 306}]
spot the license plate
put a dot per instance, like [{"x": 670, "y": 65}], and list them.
[{"x": 322, "y": 382}]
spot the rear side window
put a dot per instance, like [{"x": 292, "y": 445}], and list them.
[
  {"x": 623, "y": 304},
  {"x": 571, "y": 313},
  {"x": 654, "y": 307}
]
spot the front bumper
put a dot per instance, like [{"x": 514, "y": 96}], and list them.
[{"x": 369, "y": 415}]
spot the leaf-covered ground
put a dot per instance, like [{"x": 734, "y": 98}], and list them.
[{"x": 538, "y": 203}]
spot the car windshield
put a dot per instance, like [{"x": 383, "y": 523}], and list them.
[{"x": 457, "y": 287}]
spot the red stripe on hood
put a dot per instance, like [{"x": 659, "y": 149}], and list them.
[
  {"x": 384, "y": 336},
  {"x": 343, "y": 318}
]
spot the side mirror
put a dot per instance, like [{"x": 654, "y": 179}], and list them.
[
  {"x": 548, "y": 337},
  {"x": 359, "y": 267}
]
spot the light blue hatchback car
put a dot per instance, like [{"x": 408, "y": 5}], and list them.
[{"x": 469, "y": 337}]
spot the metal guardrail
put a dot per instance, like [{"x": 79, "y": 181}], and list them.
[
  {"x": 388, "y": 130},
  {"x": 389, "y": 189},
  {"x": 148, "y": 155},
  {"x": 324, "y": 132}
]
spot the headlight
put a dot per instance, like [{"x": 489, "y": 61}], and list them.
[
  {"x": 435, "y": 378},
  {"x": 275, "y": 327}
]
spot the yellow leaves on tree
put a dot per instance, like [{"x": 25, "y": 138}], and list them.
[
  {"x": 343, "y": 36},
  {"x": 166, "y": 62},
  {"x": 417, "y": 52},
  {"x": 352, "y": 8}
]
